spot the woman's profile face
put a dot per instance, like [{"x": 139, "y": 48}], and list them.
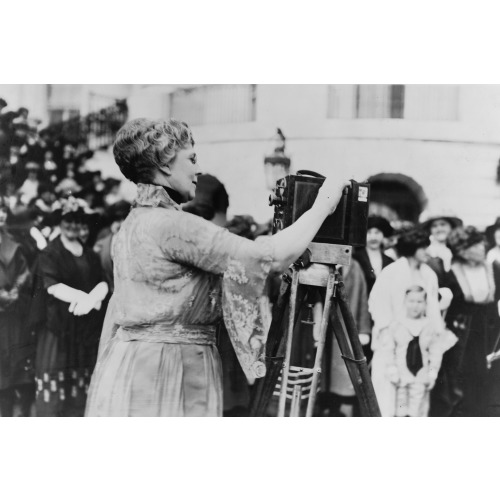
[{"x": 184, "y": 172}]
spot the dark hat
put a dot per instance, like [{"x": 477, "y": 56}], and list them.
[
  {"x": 490, "y": 231},
  {"x": 118, "y": 211},
  {"x": 375, "y": 221},
  {"x": 21, "y": 126},
  {"x": 70, "y": 209},
  {"x": 462, "y": 238},
  {"x": 111, "y": 183},
  {"x": 90, "y": 217},
  {"x": 242, "y": 225},
  {"x": 211, "y": 197},
  {"x": 211, "y": 191}
]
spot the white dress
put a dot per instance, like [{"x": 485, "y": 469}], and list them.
[{"x": 386, "y": 304}]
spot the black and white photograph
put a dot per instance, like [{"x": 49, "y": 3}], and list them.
[
  {"x": 193, "y": 250},
  {"x": 293, "y": 226}
]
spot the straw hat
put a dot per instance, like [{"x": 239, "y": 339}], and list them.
[{"x": 428, "y": 217}]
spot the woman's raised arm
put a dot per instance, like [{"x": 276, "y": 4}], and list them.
[{"x": 290, "y": 243}]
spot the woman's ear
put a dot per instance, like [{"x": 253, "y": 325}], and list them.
[{"x": 165, "y": 169}]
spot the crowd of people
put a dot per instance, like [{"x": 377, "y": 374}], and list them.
[
  {"x": 57, "y": 222},
  {"x": 434, "y": 307},
  {"x": 425, "y": 296}
]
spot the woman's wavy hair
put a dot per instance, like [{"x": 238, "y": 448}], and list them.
[
  {"x": 408, "y": 243},
  {"x": 142, "y": 146}
]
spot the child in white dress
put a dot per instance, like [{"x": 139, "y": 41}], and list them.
[{"x": 417, "y": 351}]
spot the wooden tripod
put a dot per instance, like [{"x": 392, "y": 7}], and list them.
[{"x": 316, "y": 268}]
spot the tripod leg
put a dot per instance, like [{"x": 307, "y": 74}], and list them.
[
  {"x": 362, "y": 382},
  {"x": 288, "y": 348},
  {"x": 296, "y": 397},
  {"x": 321, "y": 343},
  {"x": 264, "y": 387},
  {"x": 348, "y": 356}
]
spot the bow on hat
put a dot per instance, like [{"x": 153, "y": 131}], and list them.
[{"x": 72, "y": 204}]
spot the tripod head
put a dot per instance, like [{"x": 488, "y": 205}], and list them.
[{"x": 320, "y": 257}]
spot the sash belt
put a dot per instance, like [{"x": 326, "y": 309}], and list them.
[{"x": 178, "y": 334}]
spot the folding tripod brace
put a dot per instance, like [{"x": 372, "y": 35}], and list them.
[{"x": 323, "y": 273}]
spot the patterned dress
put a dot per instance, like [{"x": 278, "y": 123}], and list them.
[{"x": 176, "y": 275}]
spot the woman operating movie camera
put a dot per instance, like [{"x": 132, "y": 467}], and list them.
[{"x": 176, "y": 275}]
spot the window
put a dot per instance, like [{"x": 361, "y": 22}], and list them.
[
  {"x": 212, "y": 104},
  {"x": 379, "y": 101},
  {"x": 411, "y": 102}
]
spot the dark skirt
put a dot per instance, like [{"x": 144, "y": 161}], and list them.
[
  {"x": 465, "y": 387},
  {"x": 62, "y": 381},
  {"x": 17, "y": 349}
]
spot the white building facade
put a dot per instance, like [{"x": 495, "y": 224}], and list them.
[{"x": 432, "y": 147}]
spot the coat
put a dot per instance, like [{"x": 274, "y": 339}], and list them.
[
  {"x": 465, "y": 386},
  {"x": 67, "y": 345},
  {"x": 361, "y": 255},
  {"x": 16, "y": 345}
]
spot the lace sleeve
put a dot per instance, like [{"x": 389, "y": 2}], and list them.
[
  {"x": 244, "y": 265},
  {"x": 245, "y": 305}
]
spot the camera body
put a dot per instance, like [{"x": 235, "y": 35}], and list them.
[{"x": 295, "y": 194}]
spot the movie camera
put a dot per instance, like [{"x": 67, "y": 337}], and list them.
[{"x": 295, "y": 194}]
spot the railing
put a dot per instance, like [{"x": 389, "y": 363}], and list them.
[{"x": 95, "y": 131}]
